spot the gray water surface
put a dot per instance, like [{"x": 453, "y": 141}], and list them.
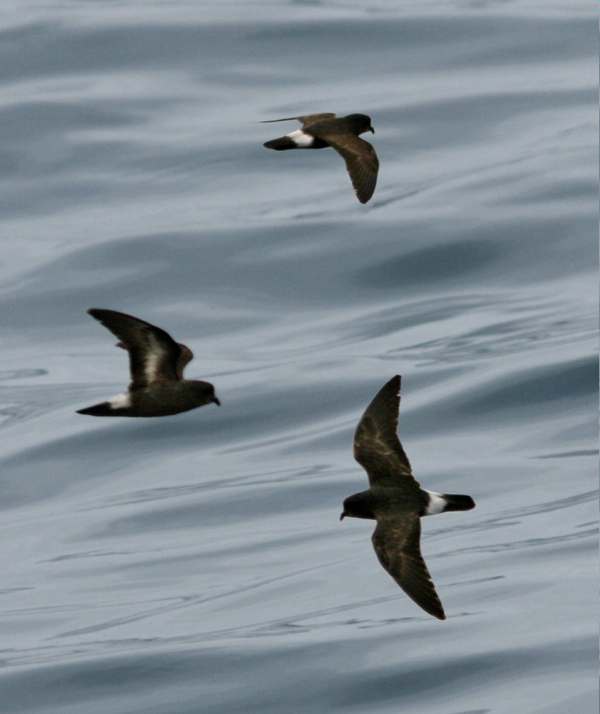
[{"x": 195, "y": 564}]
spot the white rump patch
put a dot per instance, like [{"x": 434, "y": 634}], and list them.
[
  {"x": 437, "y": 503},
  {"x": 120, "y": 401},
  {"x": 301, "y": 139}
]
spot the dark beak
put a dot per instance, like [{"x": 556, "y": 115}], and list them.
[
  {"x": 371, "y": 130},
  {"x": 215, "y": 400},
  {"x": 342, "y": 514}
]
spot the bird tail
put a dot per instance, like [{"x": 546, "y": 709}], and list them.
[
  {"x": 457, "y": 502},
  {"x": 281, "y": 144},
  {"x": 101, "y": 409}
]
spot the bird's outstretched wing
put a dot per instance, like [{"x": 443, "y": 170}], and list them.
[
  {"x": 361, "y": 160},
  {"x": 396, "y": 540},
  {"x": 154, "y": 356},
  {"x": 305, "y": 120},
  {"x": 376, "y": 445}
]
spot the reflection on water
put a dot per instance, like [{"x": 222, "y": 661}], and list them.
[{"x": 196, "y": 563}]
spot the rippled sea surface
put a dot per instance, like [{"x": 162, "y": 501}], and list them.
[{"x": 196, "y": 563}]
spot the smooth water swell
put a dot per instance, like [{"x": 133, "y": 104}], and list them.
[{"x": 196, "y": 564}]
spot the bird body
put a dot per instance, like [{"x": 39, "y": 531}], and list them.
[
  {"x": 379, "y": 499},
  {"x": 396, "y": 500},
  {"x": 160, "y": 399},
  {"x": 320, "y": 131},
  {"x": 156, "y": 363}
]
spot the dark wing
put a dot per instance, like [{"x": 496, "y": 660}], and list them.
[
  {"x": 397, "y": 543},
  {"x": 361, "y": 160},
  {"x": 153, "y": 354},
  {"x": 304, "y": 120},
  {"x": 376, "y": 445},
  {"x": 309, "y": 119},
  {"x": 185, "y": 355}
]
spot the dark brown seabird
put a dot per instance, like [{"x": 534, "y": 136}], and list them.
[
  {"x": 396, "y": 500},
  {"x": 341, "y": 133},
  {"x": 156, "y": 363}
]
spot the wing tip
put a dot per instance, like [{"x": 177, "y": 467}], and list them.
[
  {"x": 395, "y": 383},
  {"x": 430, "y": 603},
  {"x": 366, "y": 196},
  {"x": 103, "y": 314},
  {"x": 273, "y": 121}
]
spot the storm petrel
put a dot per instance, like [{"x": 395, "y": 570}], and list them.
[
  {"x": 341, "y": 133},
  {"x": 156, "y": 363},
  {"x": 396, "y": 500}
]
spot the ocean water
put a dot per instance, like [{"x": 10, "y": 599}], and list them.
[{"x": 196, "y": 564}]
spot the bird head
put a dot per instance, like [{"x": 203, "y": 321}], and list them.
[
  {"x": 358, "y": 506},
  {"x": 361, "y": 123},
  {"x": 213, "y": 397},
  {"x": 204, "y": 392}
]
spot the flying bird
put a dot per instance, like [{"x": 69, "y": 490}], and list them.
[
  {"x": 156, "y": 363},
  {"x": 341, "y": 133},
  {"x": 396, "y": 500}
]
